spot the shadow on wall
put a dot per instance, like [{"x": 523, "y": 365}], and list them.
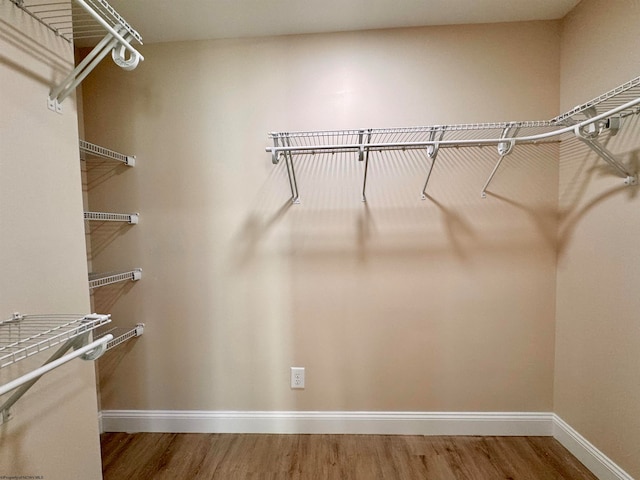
[
  {"x": 104, "y": 233},
  {"x": 108, "y": 363},
  {"x": 38, "y": 47},
  {"x": 332, "y": 218},
  {"x": 582, "y": 170},
  {"x": 101, "y": 171},
  {"x": 104, "y": 298}
]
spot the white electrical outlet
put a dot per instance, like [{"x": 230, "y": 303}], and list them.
[{"x": 297, "y": 377}]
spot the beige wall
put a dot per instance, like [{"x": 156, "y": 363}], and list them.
[
  {"x": 399, "y": 304},
  {"x": 54, "y": 432},
  {"x": 598, "y": 334}
]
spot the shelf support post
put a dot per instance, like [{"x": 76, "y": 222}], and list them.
[
  {"x": 116, "y": 41},
  {"x": 432, "y": 153},
  {"x": 293, "y": 184},
  {"x": 275, "y": 159},
  {"x": 288, "y": 161},
  {"x": 363, "y": 154},
  {"x": 79, "y": 73},
  {"x": 504, "y": 149}
]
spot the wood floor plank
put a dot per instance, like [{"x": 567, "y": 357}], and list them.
[{"x": 161, "y": 456}]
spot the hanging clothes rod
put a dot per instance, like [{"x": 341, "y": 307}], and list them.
[{"x": 89, "y": 350}]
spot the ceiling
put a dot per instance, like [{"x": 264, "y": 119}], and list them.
[{"x": 178, "y": 20}]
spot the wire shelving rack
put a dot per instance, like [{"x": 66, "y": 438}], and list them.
[
  {"x": 89, "y": 150},
  {"x": 74, "y": 20},
  {"x": 130, "y": 218},
  {"x": 586, "y": 122},
  {"x": 22, "y": 336},
  {"x": 107, "y": 278}
]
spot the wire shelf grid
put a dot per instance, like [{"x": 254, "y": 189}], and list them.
[
  {"x": 622, "y": 101},
  {"x": 73, "y": 19},
  {"x": 25, "y": 335},
  {"x": 403, "y": 138},
  {"x": 613, "y": 98},
  {"x": 605, "y": 113}
]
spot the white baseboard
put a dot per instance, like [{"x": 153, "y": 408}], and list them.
[
  {"x": 387, "y": 423},
  {"x": 592, "y": 458},
  {"x": 381, "y": 423}
]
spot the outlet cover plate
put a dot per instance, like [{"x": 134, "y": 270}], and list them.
[{"x": 297, "y": 377}]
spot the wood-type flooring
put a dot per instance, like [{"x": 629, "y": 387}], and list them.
[{"x": 160, "y": 456}]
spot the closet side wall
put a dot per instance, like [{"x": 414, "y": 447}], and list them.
[
  {"x": 54, "y": 429},
  {"x": 397, "y": 304},
  {"x": 597, "y": 390}
]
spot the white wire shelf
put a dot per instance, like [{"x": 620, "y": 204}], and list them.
[
  {"x": 121, "y": 335},
  {"x": 130, "y": 218},
  {"x": 93, "y": 150},
  {"x": 584, "y": 122},
  {"x": 613, "y": 98},
  {"x": 22, "y": 336},
  {"x": 73, "y": 20},
  {"x": 101, "y": 279}
]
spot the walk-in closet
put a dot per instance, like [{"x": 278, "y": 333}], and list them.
[{"x": 338, "y": 240}]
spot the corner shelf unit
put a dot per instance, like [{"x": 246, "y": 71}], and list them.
[
  {"x": 130, "y": 218},
  {"x": 23, "y": 336},
  {"x": 101, "y": 279},
  {"x": 603, "y": 114},
  {"x": 88, "y": 149},
  {"x": 85, "y": 19}
]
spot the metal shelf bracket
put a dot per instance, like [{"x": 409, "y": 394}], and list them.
[
  {"x": 82, "y": 349},
  {"x": 588, "y": 134},
  {"x": 432, "y": 153},
  {"x": 23, "y": 336},
  {"x": 505, "y": 147},
  {"x": 288, "y": 160},
  {"x": 89, "y": 19},
  {"x": 363, "y": 155},
  {"x": 117, "y": 41}
]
